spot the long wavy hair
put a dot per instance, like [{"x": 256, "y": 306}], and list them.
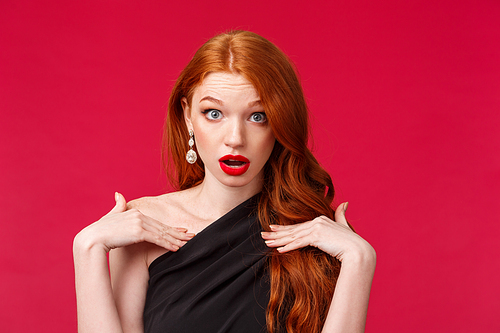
[{"x": 296, "y": 188}]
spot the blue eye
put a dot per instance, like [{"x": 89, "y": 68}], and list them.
[
  {"x": 212, "y": 114},
  {"x": 258, "y": 117}
]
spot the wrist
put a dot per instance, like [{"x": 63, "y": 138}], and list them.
[
  {"x": 85, "y": 243},
  {"x": 363, "y": 256}
]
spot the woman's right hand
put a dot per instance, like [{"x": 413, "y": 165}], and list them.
[{"x": 122, "y": 227}]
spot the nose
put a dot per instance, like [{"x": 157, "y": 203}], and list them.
[{"x": 235, "y": 136}]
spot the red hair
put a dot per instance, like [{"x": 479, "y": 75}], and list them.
[{"x": 296, "y": 188}]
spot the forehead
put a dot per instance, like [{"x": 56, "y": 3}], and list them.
[{"x": 221, "y": 84}]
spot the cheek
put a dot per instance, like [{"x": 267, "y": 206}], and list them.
[
  {"x": 268, "y": 145},
  {"x": 203, "y": 143}
]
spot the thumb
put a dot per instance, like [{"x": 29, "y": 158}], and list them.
[
  {"x": 121, "y": 204},
  {"x": 340, "y": 214}
]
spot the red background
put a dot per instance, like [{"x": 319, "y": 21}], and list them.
[{"x": 405, "y": 100}]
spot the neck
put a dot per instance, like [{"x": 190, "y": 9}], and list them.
[{"x": 217, "y": 199}]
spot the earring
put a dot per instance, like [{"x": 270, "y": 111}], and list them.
[{"x": 191, "y": 154}]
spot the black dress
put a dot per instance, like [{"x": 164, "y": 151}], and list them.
[{"x": 216, "y": 283}]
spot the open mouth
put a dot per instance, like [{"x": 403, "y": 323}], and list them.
[{"x": 234, "y": 165}]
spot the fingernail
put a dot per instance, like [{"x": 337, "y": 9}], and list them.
[
  {"x": 345, "y": 206},
  {"x": 190, "y": 235},
  {"x": 269, "y": 242},
  {"x": 116, "y": 196},
  {"x": 273, "y": 227}
]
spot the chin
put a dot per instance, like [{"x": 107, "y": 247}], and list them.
[
  {"x": 235, "y": 181},
  {"x": 239, "y": 181},
  {"x": 248, "y": 178}
]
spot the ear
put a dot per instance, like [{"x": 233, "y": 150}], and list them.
[{"x": 187, "y": 113}]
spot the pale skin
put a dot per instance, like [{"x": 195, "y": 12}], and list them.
[{"x": 140, "y": 231}]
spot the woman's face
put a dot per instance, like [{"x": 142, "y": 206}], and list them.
[{"x": 232, "y": 135}]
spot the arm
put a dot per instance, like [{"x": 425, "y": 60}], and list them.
[
  {"x": 129, "y": 280},
  {"x": 96, "y": 306},
  {"x": 349, "y": 305}
]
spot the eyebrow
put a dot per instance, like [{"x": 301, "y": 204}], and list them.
[
  {"x": 211, "y": 99},
  {"x": 255, "y": 103},
  {"x": 218, "y": 101}
]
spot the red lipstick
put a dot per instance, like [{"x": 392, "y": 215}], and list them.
[{"x": 234, "y": 165}]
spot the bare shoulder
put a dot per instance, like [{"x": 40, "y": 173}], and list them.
[
  {"x": 157, "y": 207},
  {"x": 171, "y": 209},
  {"x": 166, "y": 209},
  {"x": 145, "y": 204}
]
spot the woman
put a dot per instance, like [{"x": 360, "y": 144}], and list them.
[{"x": 236, "y": 136}]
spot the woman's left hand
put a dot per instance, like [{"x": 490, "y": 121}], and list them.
[{"x": 333, "y": 237}]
